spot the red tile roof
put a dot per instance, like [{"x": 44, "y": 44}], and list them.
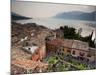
[
  {"x": 56, "y": 42},
  {"x": 67, "y": 43},
  {"x": 28, "y": 64},
  {"x": 24, "y": 63},
  {"x": 39, "y": 55},
  {"x": 74, "y": 44},
  {"x": 36, "y": 57}
]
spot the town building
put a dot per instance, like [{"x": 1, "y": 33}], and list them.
[
  {"x": 75, "y": 48},
  {"x": 38, "y": 52},
  {"x": 30, "y": 49},
  {"x": 59, "y": 33}
]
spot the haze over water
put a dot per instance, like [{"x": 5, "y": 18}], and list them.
[
  {"x": 51, "y": 23},
  {"x": 42, "y": 14}
]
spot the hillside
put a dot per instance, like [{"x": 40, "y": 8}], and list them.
[
  {"x": 77, "y": 15},
  {"x": 15, "y": 16}
]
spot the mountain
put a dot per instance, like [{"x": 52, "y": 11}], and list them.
[
  {"x": 15, "y": 16},
  {"x": 77, "y": 15}
]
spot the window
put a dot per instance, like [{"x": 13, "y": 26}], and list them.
[
  {"x": 58, "y": 53},
  {"x": 87, "y": 60},
  {"x": 60, "y": 50},
  {"x": 74, "y": 52},
  {"x": 68, "y": 51},
  {"x": 55, "y": 51},
  {"x": 88, "y": 55},
  {"x": 82, "y": 54},
  {"x": 63, "y": 49}
]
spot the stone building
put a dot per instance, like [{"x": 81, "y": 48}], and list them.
[
  {"x": 75, "y": 48},
  {"x": 59, "y": 33},
  {"x": 39, "y": 54}
]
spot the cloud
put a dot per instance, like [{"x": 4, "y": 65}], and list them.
[{"x": 37, "y": 9}]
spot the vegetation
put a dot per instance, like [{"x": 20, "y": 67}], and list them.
[
  {"x": 55, "y": 64},
  {"x": 52, "y": 60},
  {"x": 70, "y": 33},
  {"x": 58, "y": 64},
  {"x": 79, "y": 65}
]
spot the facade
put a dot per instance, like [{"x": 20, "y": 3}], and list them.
[
  {"x": 92, "y": 54},
  {"x": 40, "y": 54},
  {"x": 30, "y": 49},
  {"x": 59, "y": 33},
  {"x": 75, "y": 48},
  {"x": 53, "y": 45}
]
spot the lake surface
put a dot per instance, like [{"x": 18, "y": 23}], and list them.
[{"x": 87, "y": 26}]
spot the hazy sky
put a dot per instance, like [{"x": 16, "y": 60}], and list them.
[{"x": 33, "y": 9}]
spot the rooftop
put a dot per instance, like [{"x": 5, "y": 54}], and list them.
[
  {"x": 24, "y": 63},
  {"x": 80, "y": 45},
  {"x": 31, "y": 49},
  {"x": 67, "y": 43},
  {"x": 56, "y": 42},
  {"x": 70, "y": 43},
  {"x": 28, "y": 64}
]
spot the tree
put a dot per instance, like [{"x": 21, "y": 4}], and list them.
[{"x": 70, "y": 33}]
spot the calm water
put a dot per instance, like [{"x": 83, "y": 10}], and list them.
[{"x": 87, "y": 26}]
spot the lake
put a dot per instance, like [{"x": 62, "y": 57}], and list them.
[{"x": 87, "y": 26}]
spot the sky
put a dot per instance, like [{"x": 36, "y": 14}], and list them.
[{"x": 37, "y": 9}]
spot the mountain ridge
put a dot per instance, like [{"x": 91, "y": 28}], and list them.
[
  {"x": 15, "y": 16},
  {"x": 90, "y": 16}
]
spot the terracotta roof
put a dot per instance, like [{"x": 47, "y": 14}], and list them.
[
  {"x": 24, "y": 63},
  {"x": 57, "y": 42},
  {"x": 39, "y": 54},
  {"x": 42, "y": 65},
  {"x": 74, "y": 44},
  {"x": 28, "y": 64},
  {"x": 67, "y": 43},
  {"x": 80, "y": 45},
  {"x": 35, "y": 57}
]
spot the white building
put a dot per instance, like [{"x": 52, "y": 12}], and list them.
[{"x": 30, "y": 49}]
